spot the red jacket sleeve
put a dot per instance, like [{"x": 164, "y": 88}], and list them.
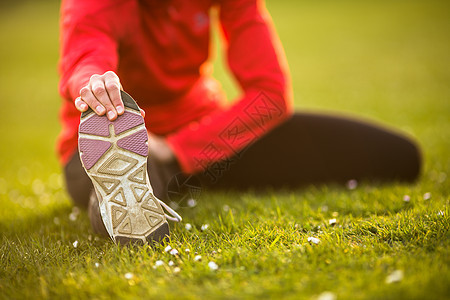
[
  {"x": 89, "y": 35},
  {"x": 256, "y": 59}
]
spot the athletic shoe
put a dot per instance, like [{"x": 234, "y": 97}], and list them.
[{"x": 114, "y": 155}]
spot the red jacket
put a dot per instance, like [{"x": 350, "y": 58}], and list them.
[{"x": 160, "y": 51}]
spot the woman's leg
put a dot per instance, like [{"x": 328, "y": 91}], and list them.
[
  {"x": 78, "y": 184},
  {"x": 314, "y": 148},
  {"x": 306, "y": 149}
]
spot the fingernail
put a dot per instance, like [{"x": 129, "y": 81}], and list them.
[
  {"x": 100, "y": 109},
  {"x": 111, "y": 115},
  {"x": 83, "y": 106},
  {"x": 119, "y": 109}
]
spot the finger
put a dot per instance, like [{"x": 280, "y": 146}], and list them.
[
  {"x": 81, "y": 105},
  {"x": 112, "y": 84},
  {"x": 98, "y": 89},
  {"x": 88, "y": 97}
]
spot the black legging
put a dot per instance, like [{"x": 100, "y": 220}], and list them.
[{"x": 306, "y": 149}]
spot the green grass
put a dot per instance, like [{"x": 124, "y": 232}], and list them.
[{"x": 383, "y": 60}]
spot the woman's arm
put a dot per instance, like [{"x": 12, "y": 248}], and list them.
[
  {"x": 257, "y": 61},
  {"x": 89, "y": 43}
]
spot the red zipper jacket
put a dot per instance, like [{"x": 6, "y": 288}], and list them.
[{"x": 160, "y": 51}]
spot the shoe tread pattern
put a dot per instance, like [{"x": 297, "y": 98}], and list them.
[{"x": 114, "y": 155}]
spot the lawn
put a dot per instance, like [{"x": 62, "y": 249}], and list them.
[{"x": 386, "y": 61}]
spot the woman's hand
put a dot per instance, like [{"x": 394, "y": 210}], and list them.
[{"x": 102, "y": 94}]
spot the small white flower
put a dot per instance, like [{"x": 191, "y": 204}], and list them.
[
  {"x": 332, "y": 221},
  {"x": 171, "y": 263},
  {"x": 176, "y": 270},
  {"x": 313, "y": 240},
  {"x": 406, "y": 198},
  {"x": 226, "y": 208},
  {"x": 198, "y": 257},
  {"x": 158, "y": 263},
  {"x": 73, "y": 217},
  {"x": 327, "y": 296},
  {"x": 395, "y": 276},
  {"x": 174, "y": 252},
  {"x": 128, "y": 276},
  {"x": 75, "y": 244},
  {"x": 427, "y": 196},
  {"x": 168, "y": 248},
  {"x": 213, "y": 266},
  {"x": 204, "y": 227},
  {"x": 352, "y": 184},
  {"x": 97, "y": 265},
  {"x": 188, "y": 226},
  {"x": 192, "y": 202},
  {"x": 74, "y": 214},
  {"x": 440, "y": 213},
  {"x": 187, "y": 250},
  {"x": 56, "y": 220}
]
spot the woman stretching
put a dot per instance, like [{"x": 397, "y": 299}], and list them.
[{"x": 157, "y": 51}]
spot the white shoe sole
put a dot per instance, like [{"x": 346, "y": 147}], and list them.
[{"x": 114, "y": 155}]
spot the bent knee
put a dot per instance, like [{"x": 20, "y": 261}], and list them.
[{"x": 408, "y": 159}]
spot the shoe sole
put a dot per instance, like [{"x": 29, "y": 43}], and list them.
[{"x": 114, "y": 155}]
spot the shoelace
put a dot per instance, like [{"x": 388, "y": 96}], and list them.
[{"x": 175, "y": 216}]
